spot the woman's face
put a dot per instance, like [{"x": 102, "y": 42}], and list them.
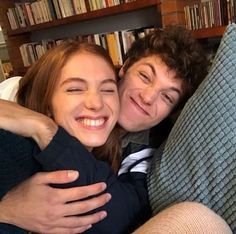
[{"x": 85, "y": 100}]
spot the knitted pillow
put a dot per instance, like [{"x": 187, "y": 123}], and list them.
[{"x": 199, "y": 159}]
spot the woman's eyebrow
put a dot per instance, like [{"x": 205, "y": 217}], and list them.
[
  {"x": 73, "y": 79},
  {"x": 109, "y": 81},
  {"x": 81, "y": 80}
]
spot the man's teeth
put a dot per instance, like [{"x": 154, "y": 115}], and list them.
[{"x": 92, "y": 122}]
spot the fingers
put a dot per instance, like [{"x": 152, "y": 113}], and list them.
[
  {"x": 66, "y": 176},
  {"x": 55, "y": 177},
  {"x": 78, "y": 193},
  {"x": 81, "y": 207},
  {"x": 68, "y": 230},
  {"x": 81, "y": 221}
]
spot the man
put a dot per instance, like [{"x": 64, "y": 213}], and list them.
[{"x": 160, "y": 72}]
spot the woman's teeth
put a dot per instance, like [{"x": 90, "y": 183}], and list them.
[{"x": 92, "y": 122}]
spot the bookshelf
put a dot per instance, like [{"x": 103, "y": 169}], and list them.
[
  {"x": 209, "y": 18},
  {"x": 92, "y": 19},
  {"x": 209, "y": 32},
  {"x": 160, "y": 12},
  {"x": 113, "y": 10},
  {"x": 174, "y": 12}
]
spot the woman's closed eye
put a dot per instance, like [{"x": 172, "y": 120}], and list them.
[
  {"x": 108, "y": 88},
  {"x": 75, "y": 89}
]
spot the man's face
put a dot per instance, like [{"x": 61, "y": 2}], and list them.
[{"x": 148, "y": 93}]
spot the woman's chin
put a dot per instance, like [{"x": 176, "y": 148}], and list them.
[{"x": 90, "y": 145}]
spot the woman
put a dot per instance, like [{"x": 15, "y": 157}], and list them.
[{"x": 80, "y": 95}]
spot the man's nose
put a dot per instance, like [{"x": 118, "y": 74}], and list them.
[
  {"x": 94, "y": 101},
  {"x": 149, "y": 95}
]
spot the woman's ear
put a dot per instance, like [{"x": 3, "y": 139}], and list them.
[{"x": 49, "y": 113}]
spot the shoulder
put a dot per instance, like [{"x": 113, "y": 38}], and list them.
[
  {"x": 160, "y": 132},
  {"x": 12, "y": 143}
]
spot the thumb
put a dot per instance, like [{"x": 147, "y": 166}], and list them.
[{"x": 56, "y": 177}]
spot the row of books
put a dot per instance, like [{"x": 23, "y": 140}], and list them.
[
  {"x": 116, "y": 43},
  {"x": 40, "y": 11},
  {"x": 100, "y": 4},
  {"x": 210, "y": 13}
]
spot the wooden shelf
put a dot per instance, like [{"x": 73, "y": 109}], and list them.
[
  {"x": 118, "y": 9},
  {"x": 209, "y": 32}
]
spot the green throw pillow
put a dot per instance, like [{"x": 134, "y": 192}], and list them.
[{"x": 199, "y": 159}]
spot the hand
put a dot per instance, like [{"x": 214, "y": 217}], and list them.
[
  {"x": 27, "y": 123},
  {"x": 35, "y": 206}
]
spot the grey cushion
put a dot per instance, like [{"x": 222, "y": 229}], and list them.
[{"x": 199, "y": 159}]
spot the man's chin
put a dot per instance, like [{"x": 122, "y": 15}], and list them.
[{"x": 130, "y": 127}]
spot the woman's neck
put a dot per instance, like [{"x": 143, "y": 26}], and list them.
[
  {"x": 122, "y": 132},
  {"x": 89, "y": 148}
]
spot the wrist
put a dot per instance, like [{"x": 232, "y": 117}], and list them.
[
  {"x": 5, "y": 213},
  {"x": 47, "y": 129}
]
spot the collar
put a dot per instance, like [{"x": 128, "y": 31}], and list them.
[{"x": 141, "y": 138}]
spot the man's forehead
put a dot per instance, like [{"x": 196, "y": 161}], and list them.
[
  {"x": 155, "y": 63},
  {"x": 150, "y": 59}
]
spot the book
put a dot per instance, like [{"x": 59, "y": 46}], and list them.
[
  {"x": 112, "y": 48},
  {"x": 20, "y": 15},
  {"x": 29, "y": 13},
  {"x": 13, "y": 21},
  {"x": 57, "y": 9}
]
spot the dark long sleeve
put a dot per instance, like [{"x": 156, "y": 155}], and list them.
[
  {"x": 16, "y": 165},
  {"x": 129, "y": 204}
]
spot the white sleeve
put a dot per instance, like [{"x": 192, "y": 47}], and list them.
[{"x": 9, "y": 88}]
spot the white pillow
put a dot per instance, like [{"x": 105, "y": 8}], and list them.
[{"x": 9, "y": 88}]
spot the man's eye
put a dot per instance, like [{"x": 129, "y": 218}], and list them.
[
  {"x": 144, "y": 77},
  {"x": 167, "y": 98}
]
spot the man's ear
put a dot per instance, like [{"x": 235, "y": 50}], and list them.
[
  {"x": 121, "y": 72},
  {"x": 123, "y": 69}
]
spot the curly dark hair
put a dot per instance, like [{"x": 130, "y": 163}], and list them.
[{"x": 178, "y": 50}]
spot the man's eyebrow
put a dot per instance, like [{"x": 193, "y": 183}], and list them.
[
  {"x": 151, "y": 66},
  {"x": 154, "y": 72},
  {"x": 175, "y": 90}
]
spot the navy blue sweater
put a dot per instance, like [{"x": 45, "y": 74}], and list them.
[{"x": 129, "y": 205}]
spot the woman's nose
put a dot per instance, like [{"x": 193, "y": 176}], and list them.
[{"x": 94, "y": 101}]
